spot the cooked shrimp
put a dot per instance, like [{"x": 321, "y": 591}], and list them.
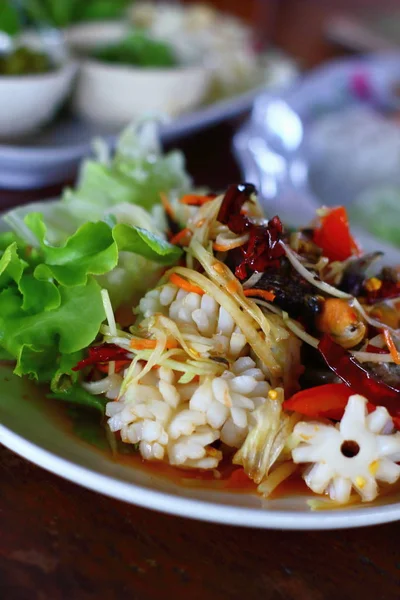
[{"x": 341, "y": 322}]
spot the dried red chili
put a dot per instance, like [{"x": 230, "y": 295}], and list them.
[
  {"x": 102, "y": 354},
  {"x": 229, "y": 213},
  {"x": 262, "y": 250},
  {"x": 352, "y": 373}
]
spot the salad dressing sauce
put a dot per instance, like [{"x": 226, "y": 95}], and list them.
[
  {"x": 87, "y": 426},
  {"x": 223, "y": 478}
]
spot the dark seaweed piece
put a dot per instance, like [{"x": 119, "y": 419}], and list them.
[
  {"x": 316, "y": 371},
  {"x": 220, "y": 359},
  {"x": 173, "y": 226},
  {"x": 356, "y": 272},
  {"x": 292, "y": 293}
]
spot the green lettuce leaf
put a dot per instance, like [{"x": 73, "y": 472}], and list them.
[
  {"x": 11, "y": 266},
  {"x": 38, "y": 295},
  {"x": 137, "y": 174},
  {"x": 94, "y": 250},
  {"x": 107, "y": 232},
  {"x": 90, "y": 251},
  {"x": 133, "y": 177},
  {"x": 38, "y": 341},
  {"x": 52, "y": 308},
  {"x": 9, "y": 18},
  {"x": 147, "y": 244}
]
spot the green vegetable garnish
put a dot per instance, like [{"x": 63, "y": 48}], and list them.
[
  {"x": 9, "y": 18},
  {"x": 138, "y": 50},
  {"x": 24, "y": 61},
  {"x": 59, "y": 255},
  {"x": 62, "y": 13}
]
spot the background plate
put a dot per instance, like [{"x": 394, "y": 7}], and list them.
[{"x": 52, "y": 156}]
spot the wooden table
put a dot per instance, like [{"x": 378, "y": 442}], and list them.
[{"x": 60, "y": 541}]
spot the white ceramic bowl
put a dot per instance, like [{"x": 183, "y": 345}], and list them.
[
  {"x": 28, "y": 102},
  {"x": 114, "y": 95},
  {"x": 87, "y": 36}
]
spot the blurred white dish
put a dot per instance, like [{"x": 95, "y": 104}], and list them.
[
  {"x": 29, "y": 101},
  {"x": 52, "y": 155},
  {"x": 87, "y": 36},
  {"x": 113, "y": 95}
]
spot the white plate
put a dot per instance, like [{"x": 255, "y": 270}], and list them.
[
  {"x": 53, "y": 155},
  {"x": 31, "y": 428}
]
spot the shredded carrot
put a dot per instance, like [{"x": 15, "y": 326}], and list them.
[
  {"x": 268, "y": 296},
  {"x": 146, "y": 344},
  {"x": 167, "y": 205},
  {"x": 232, "y": 287},
  {"x": 194, "y": 200},
  {"x": 392, "y": 346},
  {"x": 200, "y": 223},
  {"x": 185, "y": 285},
  {"x": 180, "y": 237}
]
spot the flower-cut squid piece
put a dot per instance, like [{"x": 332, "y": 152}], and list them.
[{"x": 356, "y": 454}]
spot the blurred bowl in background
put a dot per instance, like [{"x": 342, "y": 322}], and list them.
[
  {"x": 27, "y": 102},
  {"x": 114, "y": 95},
  {"x": 86, "y": 36}
]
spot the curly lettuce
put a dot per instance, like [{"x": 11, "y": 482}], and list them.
[{"x": 59, "y": 255}]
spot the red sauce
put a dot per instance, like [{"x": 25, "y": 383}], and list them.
[{"x": 219, "y": 478}]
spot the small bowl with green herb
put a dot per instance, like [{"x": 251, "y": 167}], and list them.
[
  {"x": 123, "y": 79},
  {"x": 33, "y": 84}
]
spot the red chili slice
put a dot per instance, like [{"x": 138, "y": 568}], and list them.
[
  {"x": 359, "y": 379},
  {"x": 334, "y": 237},
  {"x": 102, "y": 354}
]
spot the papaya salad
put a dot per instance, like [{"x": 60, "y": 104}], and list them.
[{"x": 206, "y": 331}]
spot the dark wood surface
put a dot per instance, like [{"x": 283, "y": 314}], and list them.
[{"x": 60, "y": 541}]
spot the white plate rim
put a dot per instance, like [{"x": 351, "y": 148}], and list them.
[{"x": 171, "y": 504}]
